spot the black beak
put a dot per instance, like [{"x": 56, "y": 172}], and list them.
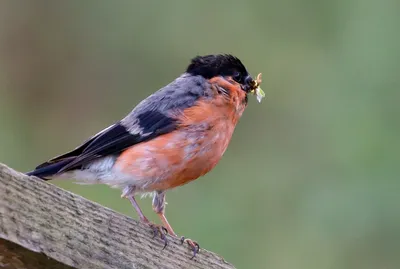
[{"x": 248, "y": 84}]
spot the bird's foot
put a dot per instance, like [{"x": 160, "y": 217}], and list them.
[
  {"x": 159, "y": 230},
  {"x": 194, "y": 246}
]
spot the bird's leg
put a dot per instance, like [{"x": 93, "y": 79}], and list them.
[
  {"x": 159, "y": 208},
  {"x": 157, "y": 229},
  {"x": 194, "y": 246},
  {"x": 129, "y": 192},
  {"x": 139, "y": 211}
]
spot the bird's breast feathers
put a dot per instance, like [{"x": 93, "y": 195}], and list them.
[{"x": 178, "y": 157}]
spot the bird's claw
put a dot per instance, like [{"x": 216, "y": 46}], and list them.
[
  {"x": 161, "y": 231},
  {"x": 195, "y": 247}
]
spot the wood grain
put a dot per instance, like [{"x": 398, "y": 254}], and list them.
[{"x": 43, "y": 226}]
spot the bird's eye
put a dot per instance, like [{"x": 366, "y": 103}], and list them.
[{"x": 237, "y": 76}]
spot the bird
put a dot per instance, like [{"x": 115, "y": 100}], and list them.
[{"x": 174, "y": 136}]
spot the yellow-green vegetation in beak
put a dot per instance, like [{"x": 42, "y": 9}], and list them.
[{"x": 257, "y": 91}]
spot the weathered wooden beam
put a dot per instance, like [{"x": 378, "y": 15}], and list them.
[{"x": 43, "y": 226}]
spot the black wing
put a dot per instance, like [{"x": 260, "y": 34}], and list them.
[
  {"x": 118, "y": 137},
  {"x": 112, "y": 140}
]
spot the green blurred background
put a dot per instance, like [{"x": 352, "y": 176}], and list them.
[{"x": 311, "y": 177}]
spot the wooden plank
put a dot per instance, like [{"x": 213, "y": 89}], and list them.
[{"x": 67, "y": 230}]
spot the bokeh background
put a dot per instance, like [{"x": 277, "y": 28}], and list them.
[{"x": 311, "y": 178}]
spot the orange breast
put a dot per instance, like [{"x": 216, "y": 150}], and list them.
[{"x": 185, "y": 154}]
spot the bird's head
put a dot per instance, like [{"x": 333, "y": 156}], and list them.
[{"x": 227, "y": 66}]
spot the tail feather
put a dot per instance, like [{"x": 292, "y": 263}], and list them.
[{"x": 49, "y": 169}]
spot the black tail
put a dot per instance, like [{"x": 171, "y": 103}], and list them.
[
  {"x": 49, "y": 169},
  {"x": 111, "y": 140}
]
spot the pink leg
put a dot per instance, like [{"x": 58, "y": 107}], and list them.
[
  {"x": 159, "y": 208},
  {"x": 138, "y": 210},
  {"x": 157, "y": 229}
]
